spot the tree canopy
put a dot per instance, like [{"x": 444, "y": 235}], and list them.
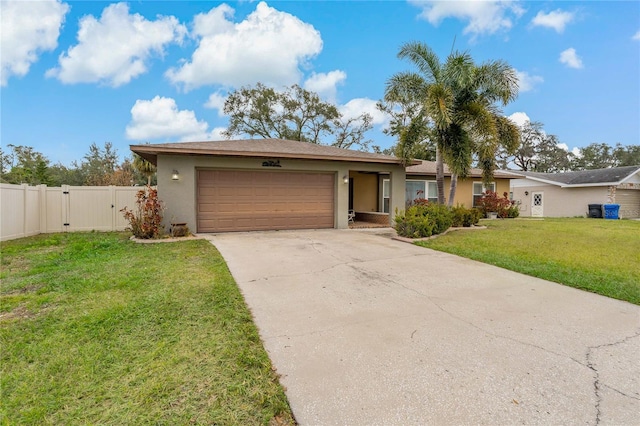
[
  {"x": 538, "y": 152},
  {"x": 454, "y": 104},
  {"x": 294, "y": 114},
  {"x": 544, "y": 153},
  {"x": 98, "y": 167}
]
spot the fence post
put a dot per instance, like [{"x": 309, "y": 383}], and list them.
[
  {"x": 65, "y": 205},
  {"x": 42, "y": 193},
  {"x": 25, "y": 206},
  {"x": 112, "y": 193}
]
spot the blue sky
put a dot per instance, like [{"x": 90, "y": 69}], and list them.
[{"x": 74, "y": 73}]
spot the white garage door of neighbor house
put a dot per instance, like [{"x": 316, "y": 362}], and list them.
[{"x": 264, "y": 200}]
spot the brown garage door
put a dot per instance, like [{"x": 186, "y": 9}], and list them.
[{"x": 263, "y": 200}]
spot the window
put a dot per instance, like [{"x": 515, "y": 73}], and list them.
[
  {"x": 421, "y": 189},
  {"x": 432, "y": 194},
  {"x": 385, "y": 195},
  {"x": 479, "y": 188},
  {"x": 413, "y": 189}
]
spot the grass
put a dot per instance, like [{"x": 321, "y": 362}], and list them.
[
  {"x": 96, "y": 329},
  {"x": 601, "y": 256}
]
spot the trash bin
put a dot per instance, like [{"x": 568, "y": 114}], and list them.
[
  {"x": 611, "y": 211},
  {"x": 595, "y": 210}
]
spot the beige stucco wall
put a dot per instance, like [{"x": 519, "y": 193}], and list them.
[
  {"x": 464, "y": 191},
  {"x": 365, "y": 191},
  {"x": 559, "y": 202},
  {"x": 180, "y": 196}
]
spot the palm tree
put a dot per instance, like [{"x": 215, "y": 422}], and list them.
[
  {"x": 459, "y": 98},
  {"x": 143, "y": 166}
]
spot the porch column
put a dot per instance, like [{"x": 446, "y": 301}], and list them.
[
  {"x": 342, "y": 199},
  {"x": 397, "y": 194}
]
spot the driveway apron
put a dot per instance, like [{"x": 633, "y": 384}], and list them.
[{"x": 365, "y": 330}]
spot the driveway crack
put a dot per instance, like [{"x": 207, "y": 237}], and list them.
[
  {"x": 596, "y": 374},
  {"x": 352, "y": 263}
]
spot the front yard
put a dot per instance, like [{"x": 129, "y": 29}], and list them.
[
  {"x": 96, "y": 329},
  {"x": 597, "y": 255}
]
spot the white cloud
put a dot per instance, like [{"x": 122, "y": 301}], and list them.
[
  {"x": 556, "y": 19},
  {"x": 216, "y": 134},
  {"x": 115, "y": 48},
  {"x": 268, "y": 46},
  {"x": 483, "y": 16},
  {"x": 28, "y": 29},
  {"x": 160, "y": 118},
  {"x": 527, "y": 82},
  {"x": 358, "y": 106},
  {"x": 216, "y": 101},
  {"x": 575, "y": 151},
  {"x": 326, "y": 85},
  {"x": 636, "y": 36},
  {"x": 570, "y": 58},
  {"x": 520, "y": 118}
]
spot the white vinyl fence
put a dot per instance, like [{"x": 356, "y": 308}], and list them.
[{"x": 30, "y": 210}]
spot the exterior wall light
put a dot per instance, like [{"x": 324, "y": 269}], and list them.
[
  {"x": 345, "y": 179},
  {"x": 175, "y": 175}
]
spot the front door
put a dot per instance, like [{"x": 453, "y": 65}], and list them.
[{"x": 536, "y": 204}]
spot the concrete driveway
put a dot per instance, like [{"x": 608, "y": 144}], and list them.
[{"x": 365, "y": 330}]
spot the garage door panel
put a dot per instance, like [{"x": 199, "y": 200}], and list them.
[
  {"x": 263, "y": 200},
  {"x": 629, "y": 201}
]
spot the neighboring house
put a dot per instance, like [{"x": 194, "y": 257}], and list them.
[
  {"x": 264, "y": 184},
  {"x": 569, "y": 194}
]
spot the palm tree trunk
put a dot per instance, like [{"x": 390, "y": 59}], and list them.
[
  {"x": 452, "y": 189},
  {"x": 440, "y": 175}
]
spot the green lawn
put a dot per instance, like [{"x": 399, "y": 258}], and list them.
[
  {"x": 96, "y": 329},
  {"x": 601, "y": 256}
]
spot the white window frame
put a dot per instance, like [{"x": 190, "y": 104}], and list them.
[
  {"x": 491, "y": 187},
  {"x": 425, "y": 194},
  {"x": 385, "y": 192},
  {"x": 386, "y": 185}
]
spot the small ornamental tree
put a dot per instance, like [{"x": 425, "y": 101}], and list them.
[
  {"x": 146, "y": 220},
  {"x": 503, "y": 206}
]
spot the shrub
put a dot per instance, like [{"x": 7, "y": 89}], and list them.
[
  {"x": 513, "y": 211},
  {"x": 180, "y": 231},
  {"x": 423, "y": 220},
  {"x": 491, "y": 202},
  {"x": 463, "y": 216},
  {"x": 146, "y": 221}
]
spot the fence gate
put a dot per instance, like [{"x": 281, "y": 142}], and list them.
[{"x": 29, "y": 210}]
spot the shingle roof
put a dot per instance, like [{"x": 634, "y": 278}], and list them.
[
  {"x": 614, "y": 175},
  {"x": 429, "y": 168},
  {"x": 265, "y": 148}
]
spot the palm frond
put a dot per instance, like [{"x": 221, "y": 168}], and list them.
[
  {"x": 497, "y": 81},
  {"x": 439, "y": 103},
  {"x": 508, "y": 133},
  {"x": 405, "y": 86},
  {"x": 457, "y": 150},
  {"x": 459, "y": 70},
  {"x": 422, "y": 57}
]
